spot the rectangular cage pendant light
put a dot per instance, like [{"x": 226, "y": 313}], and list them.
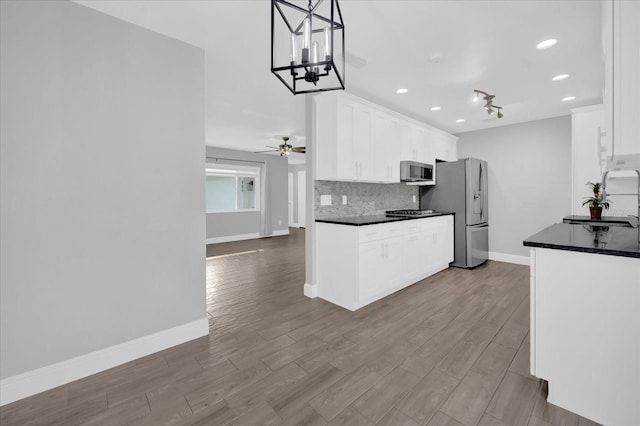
[{"x": 307, "y": 45}]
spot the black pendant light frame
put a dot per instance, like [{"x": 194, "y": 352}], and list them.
[{"x": 305, "y": 69}]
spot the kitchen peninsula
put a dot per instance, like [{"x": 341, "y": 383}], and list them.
[{"x": 585, "y": 319}]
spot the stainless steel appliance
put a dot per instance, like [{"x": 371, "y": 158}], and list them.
[
  {"x": 411, "y": 171},
  {"x": 462, "y": 189},
  {"x": 409, "y": 213}
]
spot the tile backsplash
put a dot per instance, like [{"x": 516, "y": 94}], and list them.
[{"x": 363, "y": 199}]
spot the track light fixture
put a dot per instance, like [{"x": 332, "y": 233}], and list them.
[{"x": 489, "y": 106}]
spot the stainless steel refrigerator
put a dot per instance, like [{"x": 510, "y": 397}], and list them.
[{"x": 461, "y": 188}]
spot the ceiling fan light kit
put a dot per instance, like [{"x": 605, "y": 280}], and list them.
[
  {"x": 307, "y": 45},
  {"x": 285, "y": 148},
  {"x": 488, "y": 106}
]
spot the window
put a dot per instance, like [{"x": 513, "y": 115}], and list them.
[{"x": 232, "y": 188}]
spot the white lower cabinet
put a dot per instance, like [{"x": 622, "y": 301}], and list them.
[
  {"x": 417, "y": 254},
  {"x": 379, "y": 262},
  {"x": 584, "y": 333},
  {"x": 357, "y": 265}
]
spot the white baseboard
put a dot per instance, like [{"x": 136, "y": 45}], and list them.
[
  {"x": 39, "y": 380},
  {"x": 229, "y": 238},
  {"x": 509, "y": 258},
  {"x": 310, "y": 290},
  {"x": 252, "y": 236}
]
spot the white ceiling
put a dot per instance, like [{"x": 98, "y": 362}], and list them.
[{"x": 440, "y": 50}]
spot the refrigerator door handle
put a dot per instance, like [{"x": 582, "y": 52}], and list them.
[{"x": 482, "y": 193}]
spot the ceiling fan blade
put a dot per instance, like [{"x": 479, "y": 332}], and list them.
[
  {"x": 270, "y": 150},
  {"x": 299, "y": 149}
]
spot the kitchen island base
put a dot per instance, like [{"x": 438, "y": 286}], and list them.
[{"x": 585, "y": 332}]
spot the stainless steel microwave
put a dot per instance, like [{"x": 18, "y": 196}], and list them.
[{"x": 412, "y": 171}]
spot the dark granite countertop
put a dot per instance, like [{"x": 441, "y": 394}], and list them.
[
  {"x": 588, "y": 238},
  {"x": 374, "y": 219}
]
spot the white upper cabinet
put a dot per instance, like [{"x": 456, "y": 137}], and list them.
[
  {"x": 344, "y": 152},
  {"x": 360, "y": 141},
  {"x": 426, "y": 144},
  {"x": 621, "y": 43},
  {"x": 405, "y": 136},
  {"x": 385, "y": 148},
  {"x": 344, "y": 148},
  {"x": 423, "y": 145},
  {"x": 414, "y": 142},
  {"x": 445, "y": 146}
]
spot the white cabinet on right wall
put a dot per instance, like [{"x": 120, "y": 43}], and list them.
[{"x": 621, "y": 45}]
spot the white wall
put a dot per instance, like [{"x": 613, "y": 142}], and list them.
[
  {"x": 586, "y": 126},
  {"x": 226, "y": 226},
  {"x": 529, "y": 178},
  {"x": 102, "y": 184}
]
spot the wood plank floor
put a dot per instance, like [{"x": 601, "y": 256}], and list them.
[{"x": 451, "y": 350}]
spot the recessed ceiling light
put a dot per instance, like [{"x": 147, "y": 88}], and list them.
[
  {"x": 568, "y": 98},
  {"x": 460, "y": 120},
  {"x": 435, "y": 108},
  {"x": 546, "y": 44},
  {"x": 560, "y": 77},
  {"x": 402, "y": 91}
]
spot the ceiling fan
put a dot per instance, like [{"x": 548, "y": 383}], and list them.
[{"x": 285, "y": 149}]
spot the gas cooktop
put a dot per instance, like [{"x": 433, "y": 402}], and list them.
[{"x": 409, "y": 213}]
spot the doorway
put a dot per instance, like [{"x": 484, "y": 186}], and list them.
[{"x": 297, "y": 179}]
